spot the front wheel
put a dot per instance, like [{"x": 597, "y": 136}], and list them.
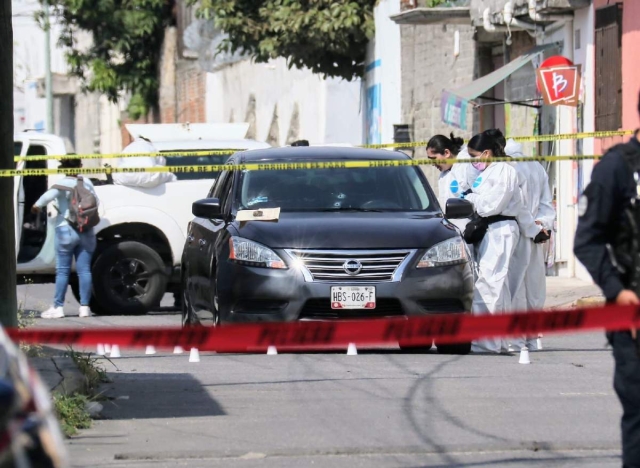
[{"x": 128, "y": 278}]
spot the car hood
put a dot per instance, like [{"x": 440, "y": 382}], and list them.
[{"x": 348, "y": 231}]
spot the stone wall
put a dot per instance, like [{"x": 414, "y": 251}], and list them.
[{"x": 428, "y": 67}]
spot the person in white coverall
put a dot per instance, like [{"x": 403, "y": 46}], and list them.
[
  {"x": 496, "y": 196},
  {"x": 142, "y": 179},
  {"x": 530, "y": 284},
  {"x": 454, "y": 178}
]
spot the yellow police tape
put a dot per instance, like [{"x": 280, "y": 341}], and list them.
[
  {"x": 523, "y": 139},
  {"x": 283, "y": 166},
  {"x": 169, "y": 154},
  {"x": 173, "y": 154}
]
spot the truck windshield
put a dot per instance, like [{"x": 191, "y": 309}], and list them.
[
  {"x": 371, "y": 189},
  {"x": 196, "y": 161}
]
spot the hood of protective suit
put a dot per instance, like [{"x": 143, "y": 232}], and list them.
[
  {"x": 513, "y": 149},
  {"x": 142, "y": 179}
]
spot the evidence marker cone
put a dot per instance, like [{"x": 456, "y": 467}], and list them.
[
  {"x": 100, "y": 351},
  {"x": 524, "y": 356},
  {"x": 194, "y": 355},
  {"x": 150, "y": 350},
  {"x": 352, "y": 350},
  {"x": 271, "y": 351},
  {"x": 115, "y": 351},
  {"x": 178, "y": 350},
  {"x": 107, "y": 348}
]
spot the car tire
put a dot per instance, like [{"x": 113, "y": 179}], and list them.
[
  {"x": 458, "y": 348},
  {"x": 129, "y": 278}
]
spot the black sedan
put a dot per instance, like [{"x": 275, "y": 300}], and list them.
[{"x": 346, "y": 243}]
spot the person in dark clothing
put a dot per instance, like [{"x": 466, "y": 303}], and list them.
[{"x": 603, "y": 244}]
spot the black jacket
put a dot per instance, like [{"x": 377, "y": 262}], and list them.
[{"x": 600, "y": 208}]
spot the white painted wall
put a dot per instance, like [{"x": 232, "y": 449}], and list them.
[
  {"x": 583, "y": 25},
  {"x": 29, "y": 62},
  {"x": 566, "y": 171},
  {"x": 328, "y": 109},
  {"x": 383, "y": 69}
]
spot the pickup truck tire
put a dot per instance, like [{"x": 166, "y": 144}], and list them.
[{"x": 129, "y": 278}]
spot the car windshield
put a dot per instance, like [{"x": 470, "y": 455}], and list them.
[
  {"x": 342, "y": 189},
  {"x": 196, "y": 161}
]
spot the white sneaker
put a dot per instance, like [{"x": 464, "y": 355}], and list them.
[
  {"x": 84, "y": 311},
  {"x": 52, "y": 313}
]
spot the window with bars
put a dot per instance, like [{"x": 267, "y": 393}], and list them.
[{"x": 609, "y": 68}]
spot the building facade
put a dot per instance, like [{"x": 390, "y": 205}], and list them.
[{"x": 598, "y": 35}]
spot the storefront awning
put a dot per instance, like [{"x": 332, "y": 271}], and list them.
[{"x": 454, "y": 102}]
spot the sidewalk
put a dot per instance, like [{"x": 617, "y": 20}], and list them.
[{"x": 567, "y": 291}]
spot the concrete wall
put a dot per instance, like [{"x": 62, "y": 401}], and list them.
[
  {"x": 283, "y": 105},
  {"x": 428, "y": 67}
]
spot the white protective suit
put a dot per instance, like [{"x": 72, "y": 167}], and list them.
[
  {"x": 531, "y": 268},
  {"x": 496, "y": 192},
  {"x": 454, "y": 182},
  {"x": 142, "y": 179}
]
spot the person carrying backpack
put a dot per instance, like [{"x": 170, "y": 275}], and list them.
[{"x": 77, "y": 206}]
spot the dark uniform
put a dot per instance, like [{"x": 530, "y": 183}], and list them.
[{"x": 602, "y": 244}]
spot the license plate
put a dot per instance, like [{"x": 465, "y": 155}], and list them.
[{"x": 353, "y": 297}]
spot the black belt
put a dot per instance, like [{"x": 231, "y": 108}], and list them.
[{"x": 498, "y": 218}]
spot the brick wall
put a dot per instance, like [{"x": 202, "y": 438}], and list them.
[
  {"x": 191, "y": 88},
  {"x": 428, "y": 67}
]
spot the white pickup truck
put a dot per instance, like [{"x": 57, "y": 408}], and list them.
[{"x": 142, "y": 230}]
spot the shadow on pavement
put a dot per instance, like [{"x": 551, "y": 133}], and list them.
[{"x": 158, "y": 396}]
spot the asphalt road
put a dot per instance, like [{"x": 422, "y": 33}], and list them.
[{"x": 379, "y": 408}]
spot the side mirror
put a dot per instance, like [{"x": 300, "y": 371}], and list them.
[
  {"x": 458, "y": 208},
  {"x": 208, "y": 208}
]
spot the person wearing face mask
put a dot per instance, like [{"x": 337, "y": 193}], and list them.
[
  {"x": 497, "y": 199},
  {"x": 456, "y": 178}
]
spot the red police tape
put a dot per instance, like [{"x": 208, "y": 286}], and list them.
[{"x": 409, "y": 331}]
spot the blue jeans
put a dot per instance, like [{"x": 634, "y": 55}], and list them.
[{"x": 71, "y": 244}]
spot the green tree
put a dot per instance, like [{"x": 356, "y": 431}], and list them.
[
  {"x": 328, "y": 36},
  {"x": 126, "y": 45}
]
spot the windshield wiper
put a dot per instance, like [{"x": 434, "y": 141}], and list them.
[{"x": 360, "y": 210}]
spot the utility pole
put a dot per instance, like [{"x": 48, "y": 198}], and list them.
[
  {"x": 48, "y": 81},
  {"x": 8, "y": 301}
]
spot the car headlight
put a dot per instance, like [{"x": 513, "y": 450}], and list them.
[
  {"x": 450, "y": 252},
  {"x": 251, "y": 253}
]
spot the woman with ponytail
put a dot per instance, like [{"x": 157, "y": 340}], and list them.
[{"x": 455, "y": 178}]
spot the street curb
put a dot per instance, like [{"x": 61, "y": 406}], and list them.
[{"x": 60, "y": 374}]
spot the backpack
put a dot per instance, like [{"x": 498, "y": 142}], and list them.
[{"x": 83, "y": 206}]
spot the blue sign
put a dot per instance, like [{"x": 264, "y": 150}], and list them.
[
  {"x": 453, "y": 110},
  {"x": 374, "y": 114}
]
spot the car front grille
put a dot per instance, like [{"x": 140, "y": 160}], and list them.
[
  {"x": 320, "y": 309},
  {"x": 329, "y": 266}
]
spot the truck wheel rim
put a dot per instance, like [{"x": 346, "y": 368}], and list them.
[{"x": 129, "y": 279}]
